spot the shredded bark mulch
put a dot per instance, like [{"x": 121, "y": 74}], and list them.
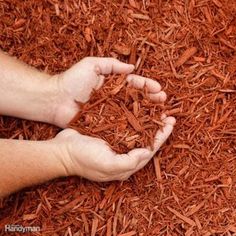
[
  {"x": 189, "y": 48},
  {"x": 121, "y": 115}
]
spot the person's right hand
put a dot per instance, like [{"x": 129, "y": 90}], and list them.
[{"x": 93, "y": 159}]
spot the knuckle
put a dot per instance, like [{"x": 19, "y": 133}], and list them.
[
  {"x": 108, "y": 167},
  {"x": 87, "y": 60},
  {"x": 113, "y": 59},
  {"x": 133, "y": 166},
  {"x": 133, "y": 163},
  {"x": 103, "y": 178},
  {"x": 124, "y": 178}
]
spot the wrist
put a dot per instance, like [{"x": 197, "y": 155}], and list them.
[
  {"x": 46, "y": 100},
  {"x": 61, "y": 149},
  {"x": 59, "y": 156},
  {"x": 63, "y": 108},
  {"x": 32, "y": 162},
  {"x": 29, "y": 93}
]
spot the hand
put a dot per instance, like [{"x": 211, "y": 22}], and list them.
[
  {"x": 77, "y": 83},
  {"x": 93, "y": 159}
]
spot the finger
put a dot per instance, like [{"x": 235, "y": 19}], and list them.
[
  {"x": 130, "y": 161},
  {"x": 137, "y": 158},
  {"x": 140, "y": 82},
  {"x": 142, "y": 156},
  {"x": 101, "y": 79},
  {"x": 163, "y": 134},
  {"x": 169, "y": 120},
  {"x": 66, "y": 133},
  {"x": 163, "y": 116},
  {"x": 109, "y": 65},
  {"x": 158, "y": 97}
]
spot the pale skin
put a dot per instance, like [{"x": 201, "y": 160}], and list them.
[{"x": 30, "y": 94}]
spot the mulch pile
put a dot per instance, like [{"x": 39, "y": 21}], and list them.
[
  {"x": 187, "y": 46},
  {"x": 121, "y": 115}
]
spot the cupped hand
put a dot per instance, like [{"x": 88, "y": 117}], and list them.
[
  {"x": 78, "y": 82},
  {"x": 92, "y": 158}
]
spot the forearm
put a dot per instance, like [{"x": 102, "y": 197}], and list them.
[
  {"x": 25, "y": 163},
  {"x": 26, "y": 92}
]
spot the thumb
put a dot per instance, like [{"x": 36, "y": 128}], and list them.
[
  {"x": 132, "y": 161},
  {"x": 144, "y": 155},
  {"x": 163, "y": 134}
]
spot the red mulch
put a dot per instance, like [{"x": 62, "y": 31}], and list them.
[
  {"x": 189, "y": 47},
  {"x": 123, "y": 116}
]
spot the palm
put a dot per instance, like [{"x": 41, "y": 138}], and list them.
[
  {"x": 93, "y": 159},
  {"x": 77, "y": 83},
  {"x": 80, "y": 80}
]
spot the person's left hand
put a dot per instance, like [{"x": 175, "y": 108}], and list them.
[
  {"x": 78, "y": 82},
  {"x": 93, "y": 159}
]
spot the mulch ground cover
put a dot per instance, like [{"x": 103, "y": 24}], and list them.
[{"x": 189, "y": 48}]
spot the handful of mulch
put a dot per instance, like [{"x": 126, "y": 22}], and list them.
[{"x": 121, "y": 115}]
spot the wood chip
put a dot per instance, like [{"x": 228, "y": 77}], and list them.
[
  {"x": 182, "y": 217},
  {"x": 187, "y": 54},
  {"x": 140, "y": 16}
]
